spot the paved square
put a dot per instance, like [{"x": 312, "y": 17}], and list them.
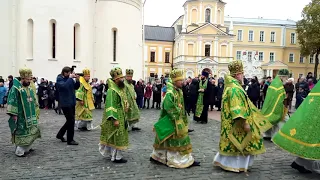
[{"x": 53, "y": 159}]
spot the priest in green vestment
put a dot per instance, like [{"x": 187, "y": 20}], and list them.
[
  {"x": 274, "y": 105},
  {"x": 85, "y": 104},
  {"x": 172, "y": 146},
  {"x": 21, "y": 108},
  {"x": 33, "y": 87},
  {"x": 300, "y": 135},
  {"x": 241, "y": 125},
  {"x": 114, "y": 128},
  {"x": 133, "y": 114}
]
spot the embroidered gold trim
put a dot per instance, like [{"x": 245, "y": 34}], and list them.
[
  {"x": 314, "y": 94},
  {"x": 274, "y": 107},
  {"x": 298, "y": 141},
  {"x": 111, "y": 109},
  {"x": 277, "y": 89}
]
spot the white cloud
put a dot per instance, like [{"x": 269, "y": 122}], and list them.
[{"x": 165, "y": 12}]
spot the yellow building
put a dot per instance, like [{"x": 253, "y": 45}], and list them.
[{"x": 203, "y": 38}]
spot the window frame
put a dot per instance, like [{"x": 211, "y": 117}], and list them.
[
  {"x": 165, "y": 57},
  {"x": 152, "y": 56},
  {"x": 205, "y": 46},
  {"x": 264, "y": 36},
  {"x": 252, "y": 39},
  {"x": 205, "y": 15},
  {"x": 239, "y": 55},
  {"x": 273, "y": 57},
  {"x": 302, "y": 59},
  {"x": 311, "y": 56},
  {"x": 291, "y": 55},
  {"x": 294, "y": 39},
  {"x": 240, "y": 39},
  {"x": 249, "y": 55},
  {"x": 262, "y": 56},
  {"x": 273, "y": 38}
]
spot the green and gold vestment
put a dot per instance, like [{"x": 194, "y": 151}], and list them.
[
  {"x": 172, "y": 127},
  {"x": 33, "y": 87},
  {"x": 84, "y": 93},
  {"x": 238, "y": 109},
  {"x": 300, "y": 135},
  {"x": 133, "y": 114},
  {"x": 22, "y": 103},
  {"x": 115, "y": 108},
  {"x": 273, "y": 107}
]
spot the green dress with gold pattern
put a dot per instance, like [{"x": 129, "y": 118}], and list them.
[
  {"x": 133, "y": 114},
  {"x": 173, "y": 118},
  {"x": 115, "y": 109},
  {"x": 300, "y": 135},
  {"x": 22, "y": 103},
  {"x": 238, "y": 109}
]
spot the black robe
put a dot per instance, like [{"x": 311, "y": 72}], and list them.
[{"x": 206, "y": 102}]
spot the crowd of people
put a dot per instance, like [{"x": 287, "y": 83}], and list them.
[{"x": 238, "y": 98}]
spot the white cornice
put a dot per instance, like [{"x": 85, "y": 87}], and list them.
[{"x": 135, "y": 3}]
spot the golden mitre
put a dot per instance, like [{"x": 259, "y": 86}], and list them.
[
  {"x": 235, "y": 67},
  {"x": 177, "y": 75},
  {"x": 129, "y": 72},
  {"x": 116, "y": 73},
  {"x": 86, "y": 72},
  {"x": 25, "y": 73}
]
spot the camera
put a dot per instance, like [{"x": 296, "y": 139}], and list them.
[{"x": 72, "y": 70}]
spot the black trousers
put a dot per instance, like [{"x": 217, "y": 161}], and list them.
[{"x": 69, "y": 113}]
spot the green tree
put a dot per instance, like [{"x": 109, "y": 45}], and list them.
[{"x": 308, "y": 29}]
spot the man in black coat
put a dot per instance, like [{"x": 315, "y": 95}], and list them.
[
  {"x": 67, "y": 84},
  {"x": 205, "y": 92}
]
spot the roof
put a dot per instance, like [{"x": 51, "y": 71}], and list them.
[
  {"x": 198, "y": 0},
  {"x": 260, "y": 21},
  {"x": 159, "y": 33},
  {"x": 275, "y": 63}
]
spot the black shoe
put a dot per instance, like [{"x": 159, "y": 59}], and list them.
[
  {"x": 56, "y": 111},
  {"x": 73, "y": 143},
  {"x": 301, "y": 169},
  {"x": 267, "y": 138},
  {"x": 190, "y": 130},
  {"x": 31, "y": 150},
  {"x": 195, "y": 163},
  {"x": 83, "y": 129},
  {"x": 156, "y": 162},
  {"x": 120, "y": 161},
  {"x": 219, "y": 109},
  {"x": 62, "y": 139},
  {"x": 135, "y": 129}
]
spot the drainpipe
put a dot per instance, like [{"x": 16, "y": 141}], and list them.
[
  {"x": 14, "y": 39},
  {"x": 143, "y": 43}
]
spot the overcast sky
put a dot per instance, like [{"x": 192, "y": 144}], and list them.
[{"x": 165, "y": 12}]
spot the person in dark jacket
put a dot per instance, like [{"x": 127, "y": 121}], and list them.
[
  {"x": 254, "y": 91},
  {"x": 140, "y": 93},
  {"x": 67, "y": 84},
  {"x": 266, "y": 86},
  {"x": 10, "y": 78},
  {"x": 56, "y": 94},
  {"x": 193, "y": 94},
  {"x": 99, "y": 94},
  {"x": 213, "y": 94},
  {"x": 186, "y": 95},
  {"x": 219, "y": 90},
  {"x": 156, "y": 89},
  {"x": 51, "y": 100},
  {"x": 301, "y": 94},
  {"x": 289, "y": 88}
]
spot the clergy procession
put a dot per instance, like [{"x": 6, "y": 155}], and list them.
[{"x": 244, "y": 127}]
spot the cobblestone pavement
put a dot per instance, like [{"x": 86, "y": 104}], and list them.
[{"x": 55, "y": 160}]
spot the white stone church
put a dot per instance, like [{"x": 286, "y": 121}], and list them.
[{"x": 46, "y": 35}]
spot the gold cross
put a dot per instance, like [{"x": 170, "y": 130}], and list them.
[
  {"x": 293, "y": 132},
  {"x": 311, "y": 100}
]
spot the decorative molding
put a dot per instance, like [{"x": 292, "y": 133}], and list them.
[
  {"x": 135, "y": 3},
  {"x": 208, "y": 6}
]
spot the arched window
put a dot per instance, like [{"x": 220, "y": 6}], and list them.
[
  {"x": 114, "y": 37},
  {"x": 76, "y": 41},
  {"x": 208, "y": 15},
  {"x": 30, "y": 39},
  {"x": 53, "y": 42},
  {"x": 194, "y": 15}
]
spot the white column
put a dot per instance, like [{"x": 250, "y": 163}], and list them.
[
  {"x": 271, "y": 73},
  {"x": 215, "y": 12},
  {"x": 184, "y": 25},
  {"x": 215, "y": 53},
  {"x": 183, "y": 44},
  {"x": 231, "y": 49},
  {"x": 200, "y": 13}
]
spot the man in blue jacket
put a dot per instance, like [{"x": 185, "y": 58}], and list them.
[{"x": 67, "y": 83}]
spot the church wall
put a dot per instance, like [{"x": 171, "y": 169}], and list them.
[
  {"x": 6, "y": 36},
  {"x": 127, "y": 21},
  {"x": 65, "y": 14}
]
